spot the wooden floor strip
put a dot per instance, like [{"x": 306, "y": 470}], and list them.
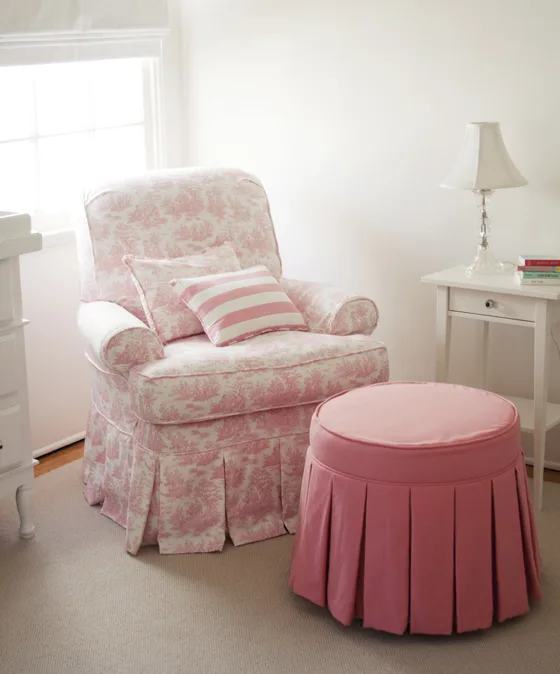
[{"x": 59, "y": 458}]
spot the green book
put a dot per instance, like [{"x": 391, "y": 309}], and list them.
[{"x": 540, "y": 274}]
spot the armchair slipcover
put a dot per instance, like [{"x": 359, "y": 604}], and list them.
[{"x": 187, "y": 442}]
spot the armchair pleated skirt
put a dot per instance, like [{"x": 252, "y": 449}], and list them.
[{"x": 415, "y": 511}]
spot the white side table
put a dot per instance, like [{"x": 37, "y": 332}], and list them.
[
  {"x": 16, "y": 459},
  {"x": 499, "y": 299}
]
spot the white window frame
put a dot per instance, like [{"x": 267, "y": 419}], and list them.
[
  {"x": 153, "y": 33},
  {"x": 156, "y": 147},
  {"x": 156, "y": 150}
]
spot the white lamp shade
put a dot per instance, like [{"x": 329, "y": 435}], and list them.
[{"x": 484, "y": 162}]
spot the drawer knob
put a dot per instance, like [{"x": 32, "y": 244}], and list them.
[
  {"x": 1, "y": 446},
  {"x": 490, "y": 304}
]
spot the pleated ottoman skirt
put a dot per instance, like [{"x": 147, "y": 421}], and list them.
[{"x": 415, "y": 511}]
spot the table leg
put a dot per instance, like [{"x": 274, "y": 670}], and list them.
[
  {"x": 24, "y": 506},
  {"x": 443, "y": 333},
  {"x": 483, "y": 356},
  {"x": 542, "y": 345}
]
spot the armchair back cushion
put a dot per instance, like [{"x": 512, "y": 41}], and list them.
[{"x": 169, "y": 214}]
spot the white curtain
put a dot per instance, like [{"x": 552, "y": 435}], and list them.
[{"x": 47, "y": 31}]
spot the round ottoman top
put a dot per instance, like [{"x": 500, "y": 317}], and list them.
[{"x": 418, "y": 432}]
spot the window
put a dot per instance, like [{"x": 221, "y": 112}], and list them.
[{"x": 65, "y": 125}]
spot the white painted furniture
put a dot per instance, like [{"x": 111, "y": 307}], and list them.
[
  {"x": 499, "y": 299},
  {"x": 16, "y": 461}
]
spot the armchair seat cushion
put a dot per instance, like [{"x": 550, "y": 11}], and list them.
[{"x": 195, "y": 381}]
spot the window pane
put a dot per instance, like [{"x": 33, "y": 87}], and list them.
[
  {"x": 16, "y": 106},
  {"x": 119, "y": 152},
  {"x": 118, "y": 88},
  {"x": 63, "y": 168},
  {"x": 17, "y": 176},
  {"x": 63, "y": 126},
  {"x": 63, "y": 98}
]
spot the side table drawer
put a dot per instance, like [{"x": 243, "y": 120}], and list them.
[
  {"x": 497, "y": 305},
  {"x": 11, "y": 451}
]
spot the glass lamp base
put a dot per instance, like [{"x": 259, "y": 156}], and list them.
[{"x": 485, "y": 264}]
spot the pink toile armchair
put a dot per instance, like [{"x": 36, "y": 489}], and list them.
[{"x": 187, "y": 442}]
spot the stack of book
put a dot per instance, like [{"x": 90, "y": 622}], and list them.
[{"x": 538, "y": 270}]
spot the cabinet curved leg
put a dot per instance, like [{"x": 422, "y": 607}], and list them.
[
  {"x": 483, "y": 358},
  {"x": 25, "y": 508}
]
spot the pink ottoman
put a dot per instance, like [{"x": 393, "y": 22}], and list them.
[{"x": 415, "y": 510}]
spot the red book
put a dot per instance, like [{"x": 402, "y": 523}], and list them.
[{"x": 537, "y": 261}]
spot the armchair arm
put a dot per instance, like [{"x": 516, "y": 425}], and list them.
[
  {"x": 330, "y": 310},
  {"x": 116, "y": 338}
]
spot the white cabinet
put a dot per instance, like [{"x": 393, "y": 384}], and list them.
[
  {"x": 499, "y": 299},
  {"x": 16, "y": 460}
]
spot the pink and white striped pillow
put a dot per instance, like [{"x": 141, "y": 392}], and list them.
[{"x": 237, "y": 305}]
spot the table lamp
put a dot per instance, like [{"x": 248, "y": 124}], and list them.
[{"x": 484, "y": 165}]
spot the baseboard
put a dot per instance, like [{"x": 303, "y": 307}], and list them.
[
  {"x": 551, "y": 465},
  {"x": 59, "y": 444}
]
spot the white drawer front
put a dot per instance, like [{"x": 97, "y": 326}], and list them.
[
  {"x": 497, "y": 305},
  {"x": 8, "y": 365},
  {"x": 6, "y": 302},
  {"x": 11, "y": 451}
]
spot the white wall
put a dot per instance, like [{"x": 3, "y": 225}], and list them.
[
  {"x": 353, "y": 112},
  {"x": 56, "y": 367}
]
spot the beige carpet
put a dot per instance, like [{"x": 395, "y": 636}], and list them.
[{"x": 73, "y": 601}]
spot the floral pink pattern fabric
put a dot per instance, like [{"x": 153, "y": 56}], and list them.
[
  {"x": 115, "y": 339},
  {"x": 149, "y": 479},
  {"x": 166, "y": 314},
  {"x": 129, "y": 348},
  {"x": 187, "y": 444},
  {"x": 196, "y": 381},
  {"x": 330, "y": 310},
  {"x": 192, "y": 493},
  {"x": 174, "y": 485},
  {"x": 254, "y": 494},
  {"x": 170, "y": 214}
]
